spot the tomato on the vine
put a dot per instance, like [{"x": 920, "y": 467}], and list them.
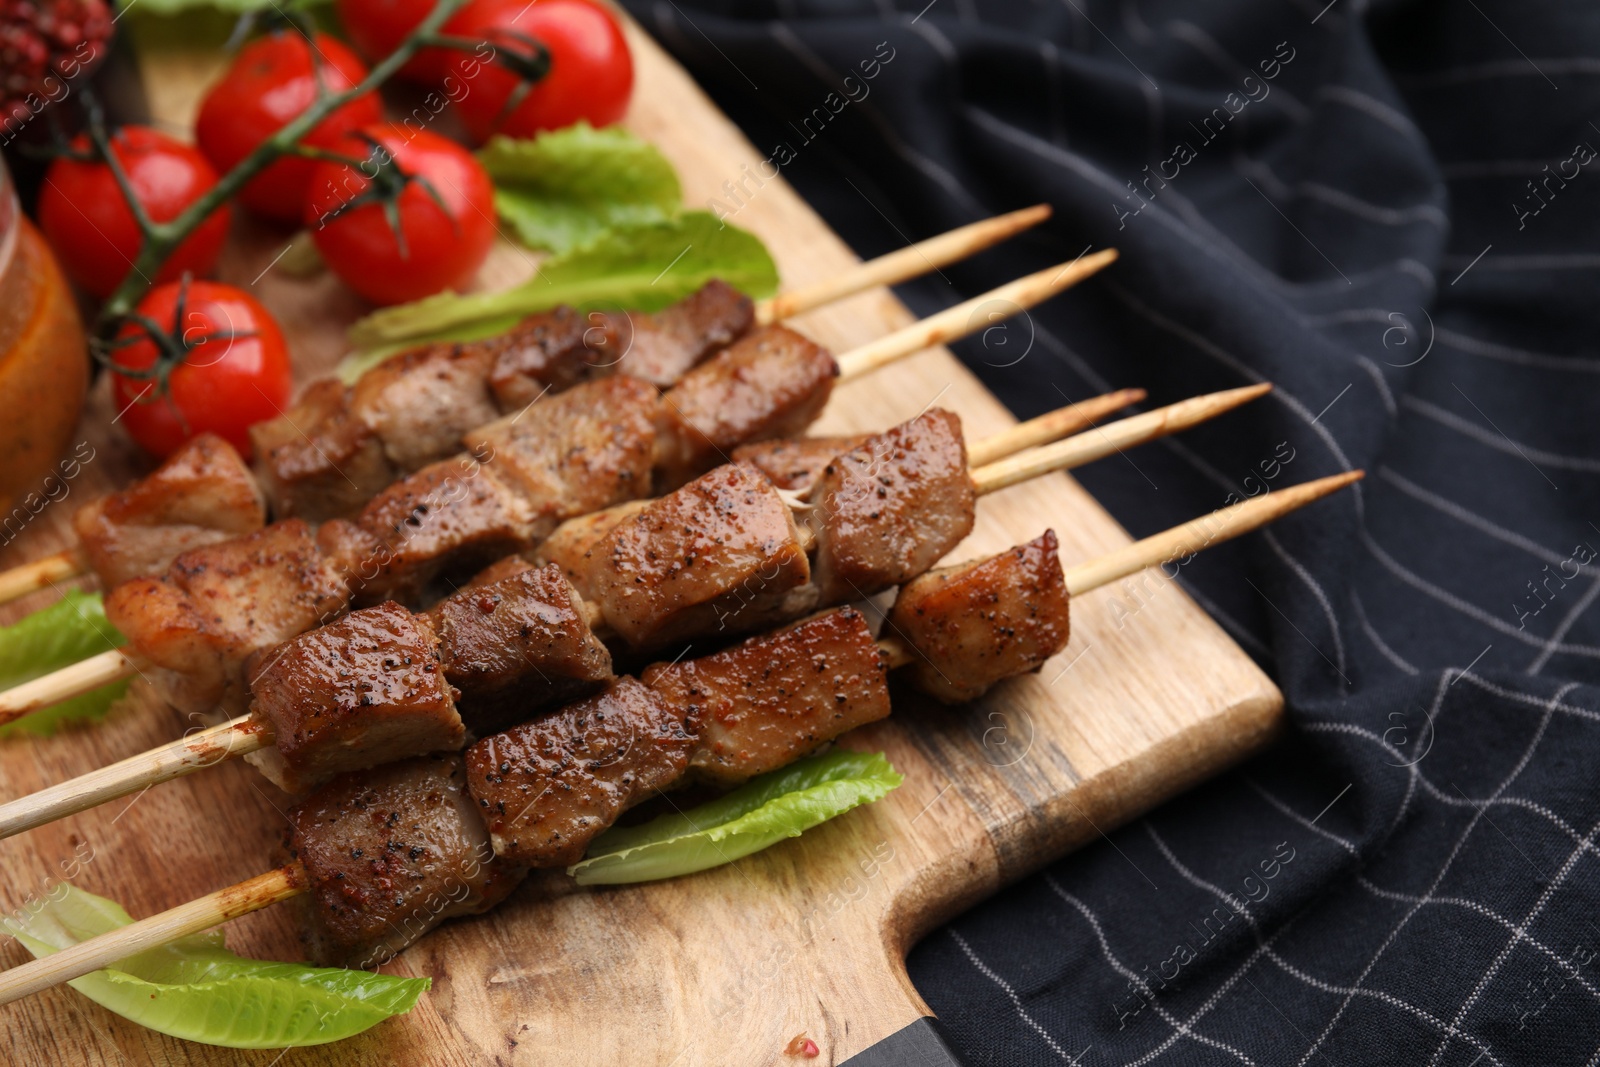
[
  {"x": 438, "y": 194},
  {"x": 271, "y": 82},
  {"x": 377, "y": 27},
  {"x": 87, "y": 221},
  {"x": 590, "y": 76},
  {"x": 218, "y": 364}
]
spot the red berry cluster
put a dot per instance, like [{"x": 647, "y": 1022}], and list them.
[{"x": 44, "y": 44}]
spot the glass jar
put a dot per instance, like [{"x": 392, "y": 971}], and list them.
[{"x": 44, "y": 364}]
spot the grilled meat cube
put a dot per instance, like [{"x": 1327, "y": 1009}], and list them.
[
  {"x": 770, "y": 383},
  {"x": 568, "y": 547},
  {"x": 585, "y": 449},
  {"x": 551, "y": 352},
  {"x": 419, "y": 402},
  {"x": 202, "y": 494},
  {"x": 389, "y": 854},
  {"x": 498, "y": 570},
  {"x": 795, "y": 463},
  {"x": 662, "y": 346},
  {"x": 318, "y": 460},
  {"x": 518, "y": 646},
  {"x": 720, "y": 555},
  {"x": 893, "y": 507},
  {"x": 362, "y": 691},
  {"x": 977, "y": 623},
  {"x": 216, "y": 606},
  {"x": 450, "y": 516},
  {"x": 545, "y": 788},
  {"x": 766, "y": 702}
]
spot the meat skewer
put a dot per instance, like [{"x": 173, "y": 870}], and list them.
[
  {"x": 451, "y": 841},
  {"x": 205, "y": 492},
  {"x": 752, "y": 572}
]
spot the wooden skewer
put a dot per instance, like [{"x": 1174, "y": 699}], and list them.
[
  {"x": 42, "y": 573},
  {"x": 266, "y": 889},
  {"x": 910, "y": 262},
  {"x": 107, "y": 667},
  {"x": 1051, "y": 426}
]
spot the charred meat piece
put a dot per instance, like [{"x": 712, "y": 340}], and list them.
[
  {"x": 888, "y": 510},
  {"x": 217, "y": 606},
  {"x": 766, "y": 702},
  {"x": 389, "y": 854},
  {"x": 975, "y": 624},
  {"x": 770, "y": 383},
  {"x": 318, "y": 460},
  {"x": 662, "y": 346},
  {"x": 569, "y": 546},
  {"x": 577, "y": 452},
  {"x": 796, "y": 463},
  {"x": 202, "y": 494},
  {"x": 419, "y": 402},
  {"x": 550, "y": 351},
  {"x": 518, "y": 646},
  {"x": 720, "y": 555},
  {"x": 362, "y": 691},
  {"x": 545, "y": 788}
]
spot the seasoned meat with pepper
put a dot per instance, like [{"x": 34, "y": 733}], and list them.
[
  {"x": 662, "y": 346},
  {"x": 419, "y": 402},
  {"x": 548, "y": 352},
  {"x": 795, "y": 463},
  {"x": 545, "y": 788},
  {"x": 569, "y": 546},
  {"x": 518, "y": 646},
  {"x": 216, "y": 606},
  {"x": 770, "y": 383},
  {"x": 977, "y": 623},
  {"x": 203, "y": 493},
  {"x": 720, "y": 555},
  {"x": 889, "y": 509},
  {"x": 389, "y": 854},
  {"x": 766, "y": 702},
  {"x": 318, "y": 460}
]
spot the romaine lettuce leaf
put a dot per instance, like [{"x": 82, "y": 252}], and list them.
[
  {"x": 763, "y": 812},
  {"x": 71, "y": 629}
]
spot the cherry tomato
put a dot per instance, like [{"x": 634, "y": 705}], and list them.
[
  {"x": 86, "y": 220},
  {"x": 376, "y": 28},
  {"x": 443, "y": 247},
  {"x": 223, "y": 384},
  {"x": 590, "y": 76},
  {"x": 270, "y": 83}
]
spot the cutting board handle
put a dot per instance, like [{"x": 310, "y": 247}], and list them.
[{"x": 918, "y": 1045}]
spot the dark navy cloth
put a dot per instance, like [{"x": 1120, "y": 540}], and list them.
[{"x": 1392, "y": 213}]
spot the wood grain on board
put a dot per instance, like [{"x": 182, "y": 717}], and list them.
[{"x": 725, "y": 967}]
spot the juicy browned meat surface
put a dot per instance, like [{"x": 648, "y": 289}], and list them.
[
  {"x": 451, "y": 516},
  {"x": 768, "y": 701},
  {"x": 576, "y": 452},
  {"x": 770, "y": 383},
  {"x": 389, "y": 854},
  {"x": 548, "y": 351},
  {"x": 548, "y": 786},
  {"x": 720, "y": 555},
  {"x": 496, "y": 571},
  {"x": 318, "y": 460},
  {"x": 975, "y": 624},
  {"x": 362, "y": 691},
  {"x": 663, "y": 346},
  {"x": 795, "y": 463},
  {"x": 201, "y": 494},
  {"x": 568, "y": 547},
  {"x": 889, "y": 509},
  {"x": 419, "y": 402},
  {"x": 517, "y": 647},
  {"x": 217, "y": 606}
]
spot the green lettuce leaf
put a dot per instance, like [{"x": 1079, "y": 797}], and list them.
[
  {"x": 71, "y": 629},
  {"x": 642, "y": 266},
  {"x": 195, "y": 989},
  {"x": 763, "y": 812},
  {"x": 565, "y": 188}
]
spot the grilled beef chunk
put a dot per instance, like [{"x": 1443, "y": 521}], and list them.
[
  {"x": 795, "y": 463},
  {"x": 545, "y": 788},
  {"x": 893, "y": 507},
  {"x": 362, "y": 691},
  {"x": 720, "y": 555},
  {"x": 569, "y": 546},
  {"x": 202, "y": 494},
  {"x": 218, "y": 605},
  {"x": 977, "y": 623},
  {"x": 389, "y": 854},
  {"x": 518, "y": 646},
  {"x": 662, "y": 346},
  {"x": 496, "y": 571},
  {"x": 770, "y": 383},
  {"x": 548, "y": 352},
  {"x": 419, "y": 402},
  {"x": 766, "y": 702},
  {"x": 318, "y": 460}
]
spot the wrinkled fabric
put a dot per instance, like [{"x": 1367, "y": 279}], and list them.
[{"x": 1391, "y": 213}]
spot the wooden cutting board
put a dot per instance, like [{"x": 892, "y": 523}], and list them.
[{"x": 729, "y": 966}]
